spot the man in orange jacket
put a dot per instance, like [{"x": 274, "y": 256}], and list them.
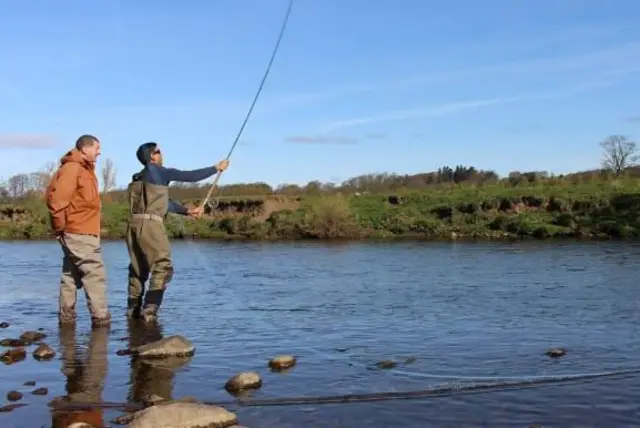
[{"x": 73, "y": 201}]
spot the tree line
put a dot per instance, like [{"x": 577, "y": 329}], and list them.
[{"x": 619, "y": 157}]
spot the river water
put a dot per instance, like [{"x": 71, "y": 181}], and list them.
[{"x": 468, "y": 313}]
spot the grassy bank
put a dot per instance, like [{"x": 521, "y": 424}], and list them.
[{"x": 596, "y": 208}]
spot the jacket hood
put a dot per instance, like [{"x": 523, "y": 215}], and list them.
[{"x": 74, "y": 155}]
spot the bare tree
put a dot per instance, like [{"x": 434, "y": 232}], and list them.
[
  {"x": 18, "y": 185},
  {"x": 108, "y": 176},
  {"x": 619, "y": 153}
]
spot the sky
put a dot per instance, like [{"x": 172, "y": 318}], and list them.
[{"x": 358, "y": 86}]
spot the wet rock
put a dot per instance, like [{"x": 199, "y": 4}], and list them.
[
  {"x": 40, "y": 391},
  {"x": 13, "y": 356},
  {"x": 556, "y": 352},
  {"x": 184, "y": 415},
  {"x": 44, "y": 352},
  {"x": 13, "y": 343},
  {"x": 150, "y": 400},
  {"x": 282, "y": 362},
  {"x": 14, "y": 396},
  {"x": 410, "y": 360},
  {"x": 123, "y": 419},
  {"x": 172, "y": 346},
  {"x": 11, "y": 407},
  {"x": 386, "y": 364},
  {"x": 32, "y": 336},
  {"x": 243, "y": 381},
  {"x": 30, "y": 383},
  {"x": 4, "y": 325}
]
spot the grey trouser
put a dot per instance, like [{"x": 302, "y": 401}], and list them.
[{"x": 82, "y": 267}]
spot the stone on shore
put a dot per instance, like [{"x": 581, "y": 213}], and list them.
[
  {"x": 44, "y": 352},
  {"x": 13, "y": 355},
  {"x": 282, "y": 362},
  {"x": 173, "y": 346},
  {"x": 243, "y": 381},
  {"x": 32, "y": 336},
  {"x": 183, "y": 415}
]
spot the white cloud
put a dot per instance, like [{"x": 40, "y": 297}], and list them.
[
  {"x": 27, "y": 141},
  {"x": 461, "y": 106}
]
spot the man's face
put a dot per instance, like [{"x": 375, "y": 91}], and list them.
[
  {"x": 156, "y": 156},
  {"x": 91, "y": 153}
]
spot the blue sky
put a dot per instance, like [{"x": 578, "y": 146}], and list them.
[{"x": 358, "y": 86}]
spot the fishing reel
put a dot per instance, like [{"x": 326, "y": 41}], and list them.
[{"x": 212, "y": 204}]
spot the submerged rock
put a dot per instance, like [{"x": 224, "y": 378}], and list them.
[
  {"x": 282, "y": 362},
  {"x": 11, "y": 407},
  {"x": 40, "y": 391},
  {"x": 410, "y": 360},
  {"x": 13, "y": 356},
  {"x": 13, "y": 343},
  {"x": 243, "y": 381},
  {"x": 386, "y": 364},
  {"x": 556, "y": 352},
  {"x": 30, "y": 383},
  {"x": 173, "y": 346},
  {"x": 14, "y": 395},
  {"x": 4, "y": 325},
  {"x": 44, "y": 352},
  {"x": 32, "y": 336},
  {"x": 183, "y": 415}
]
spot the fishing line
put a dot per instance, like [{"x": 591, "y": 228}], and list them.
[{"x": 214, "y": 204}]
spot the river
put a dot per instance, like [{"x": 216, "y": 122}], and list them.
[{"x": 466, "y": 313}]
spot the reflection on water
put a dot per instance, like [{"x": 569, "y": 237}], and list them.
[
  {"x": 85, "y": 373},
  {"x": 150, "y": 377}
]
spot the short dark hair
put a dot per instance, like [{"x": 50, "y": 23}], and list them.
[
  {"x": 145, "y": 151},
  {"x": 85, "y": 141}
]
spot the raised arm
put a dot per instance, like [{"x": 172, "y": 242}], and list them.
[
  {"x": 60, "y": 192},
  {"x": 190, "y": 176}
]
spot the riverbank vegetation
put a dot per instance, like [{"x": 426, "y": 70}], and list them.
[{"x": 458, "y": 202}]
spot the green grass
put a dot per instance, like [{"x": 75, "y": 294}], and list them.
[{"x": 593, "y": 208}]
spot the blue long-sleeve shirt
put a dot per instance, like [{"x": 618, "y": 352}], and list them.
[{"x": 157, "y": 174}]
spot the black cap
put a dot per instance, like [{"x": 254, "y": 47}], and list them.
[{"x": 145, "y": 151}]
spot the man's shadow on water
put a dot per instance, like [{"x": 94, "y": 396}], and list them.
[
  {"x": 85, "y": 374},
  {"x": 150, "y": 378}
]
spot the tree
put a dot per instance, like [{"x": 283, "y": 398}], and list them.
[
  {"x": 619, "y": 153},
  {"x": 108, "y": 176}
]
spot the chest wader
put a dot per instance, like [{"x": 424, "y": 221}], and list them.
[{"x": 149, "y": 249}]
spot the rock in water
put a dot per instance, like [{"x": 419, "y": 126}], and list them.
[
  {"x": 14, "y": 395},
  {"x": 44, "y": 352},
  {"x": 282, "y": 362},
  {"x": 173, "y": 346},
  {"x": 243, "y": 381},
  {"x": 13, "y": 356},
  {"x": 40, "y": 391},
  {"x": 183, "y": 415},
  {"x": 556, "y": 352},
  {"x": 4, "y": 325},
  {"x": 13, "y": 343},
  {"x": 32, "y": 336}
]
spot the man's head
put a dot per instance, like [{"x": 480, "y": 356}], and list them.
[
  {"x": 149, "y": 153},
  {"x": 89, "y": 146}
]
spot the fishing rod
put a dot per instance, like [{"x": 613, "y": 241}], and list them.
[{"x": 214, "y": 204}]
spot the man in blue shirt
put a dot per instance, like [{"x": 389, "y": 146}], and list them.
[{"x": 147, "y": 240}]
